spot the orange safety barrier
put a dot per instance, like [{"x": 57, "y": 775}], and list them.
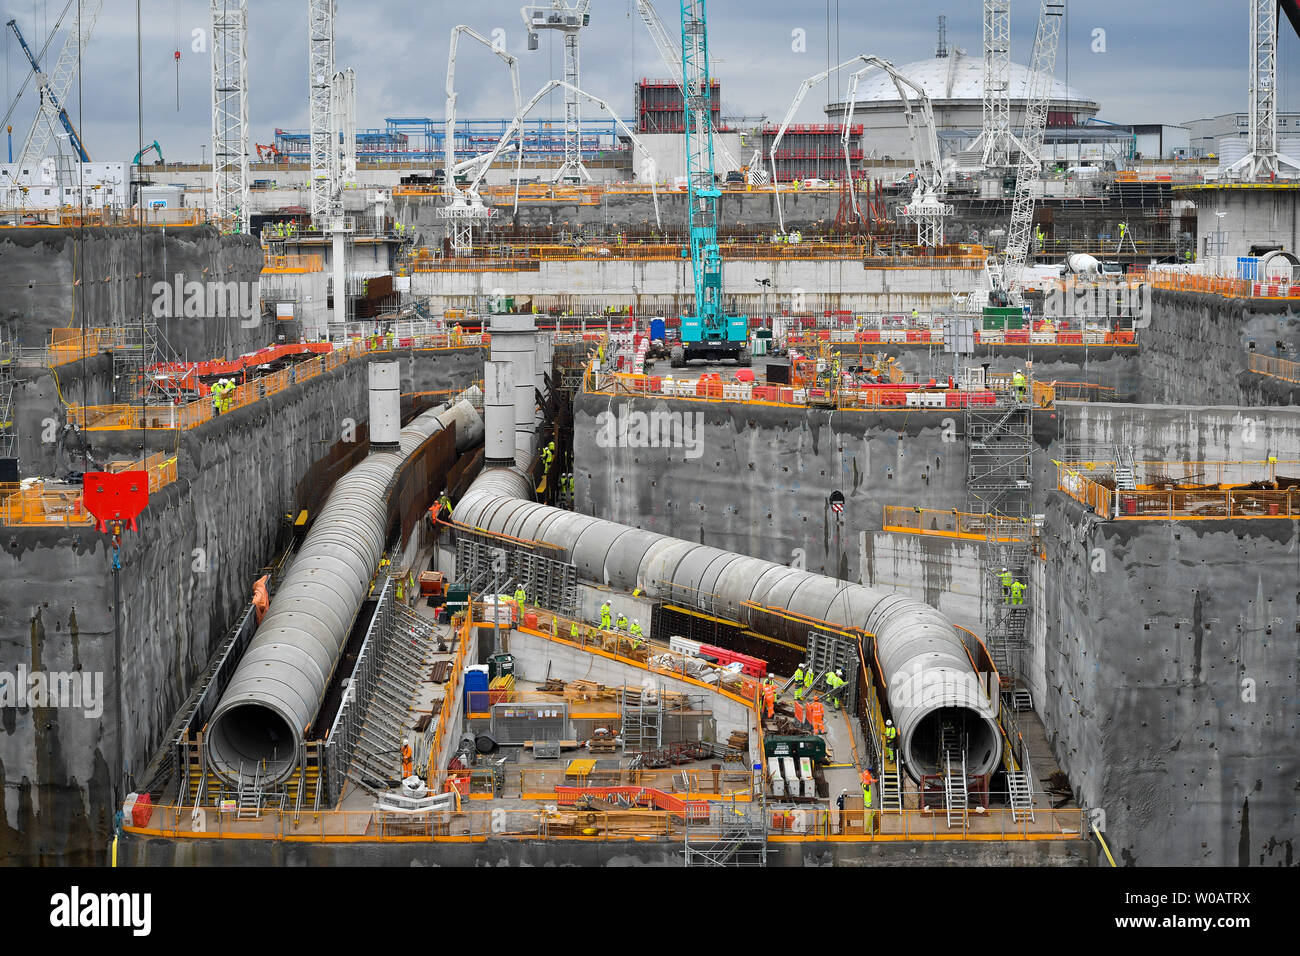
[
  {"x": 124, "y": 417},
  {"x": 1278, "y": 368},
  {"x": 1223, "y": 285},
  {"x": 292, "y": 264},
  {"x": 948, "y": 524}
]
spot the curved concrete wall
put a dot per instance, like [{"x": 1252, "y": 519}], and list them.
[
  {"x": 279, "y": 684},
  {"x": 928, "y": 672}
]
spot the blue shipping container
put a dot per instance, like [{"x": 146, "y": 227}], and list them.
[{"x": 476, "y": 683}]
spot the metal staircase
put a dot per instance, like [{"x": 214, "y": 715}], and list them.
[
  {"x": 402, "y": 655},
  {"x": 1022, "y": 797},
  {"x": 249, "y": 806},
  {"x": 956, "y": 797},
  {"x": 891, "y": 792}
]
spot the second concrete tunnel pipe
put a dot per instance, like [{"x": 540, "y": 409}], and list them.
[{"x": 929, "y": 677}]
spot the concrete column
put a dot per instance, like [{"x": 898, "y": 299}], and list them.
[
  {"x": 513, "y": 341},
  {"x": 340, "y": 279},
  {"x": 543, "y": 358},
  {"x": 499, "y": 413},
  {"x": 385, "y": 405}
]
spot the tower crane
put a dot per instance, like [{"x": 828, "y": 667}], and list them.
[
  {"x": 709, "y": 333},
  {"x": 1037, "y": 100},
  {"x": 670, "y": 52},
  {"x": 55, "y": 86},
  {"x": 569, "y": 21},
  {"x": 1264, "y": 161}
]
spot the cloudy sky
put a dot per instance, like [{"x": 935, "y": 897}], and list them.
[{"x": 1163, "y": 60}]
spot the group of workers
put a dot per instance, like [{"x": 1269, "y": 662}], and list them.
[
  {"x": 382, "y": 340},
  {"x": 284, "y": 230},
  {"x": 632, "y": 629},
  {"x": 1013, "y": 591},
  {"x": 222, "y": 399}
]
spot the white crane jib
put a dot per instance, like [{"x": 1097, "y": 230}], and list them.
[
  {"x": 568, "y": 21},
  {"x": 1037, "y": 100},
  {"x": 57, "y": 85}
]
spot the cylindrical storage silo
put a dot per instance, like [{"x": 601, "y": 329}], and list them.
[
  {"x": 385, "y": 405},
  {"x": 499, "y": 414}
]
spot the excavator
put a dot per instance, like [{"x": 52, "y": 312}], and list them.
[{"x": 152, "y": 147}]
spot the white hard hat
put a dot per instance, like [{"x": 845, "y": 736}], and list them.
[
  {"x": 889, "y": 723},
  {"x": 636, "y": 620},
  {"x": 839, "y": 672},
  {"x": 405, "y": 741}
]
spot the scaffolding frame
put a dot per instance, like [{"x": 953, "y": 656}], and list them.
[{"x": 230, "y": 114}]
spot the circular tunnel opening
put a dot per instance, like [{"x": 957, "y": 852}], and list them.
[
  {"x": 978, "y": 733},
  {"x": 252, "y": 736}
]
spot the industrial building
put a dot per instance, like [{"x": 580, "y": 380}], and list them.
[{"x": 658, "y": 491}]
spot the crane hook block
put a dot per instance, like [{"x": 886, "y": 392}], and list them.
[{"x": 119, "y": 496}]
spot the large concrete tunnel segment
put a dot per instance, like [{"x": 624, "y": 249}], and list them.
[
  {"x": 275, "y": 692},
  {"x": 928, "y": 673}
]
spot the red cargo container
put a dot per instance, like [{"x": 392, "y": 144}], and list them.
[
  {"x": 1069, "y": 338},
  {"x": 955, "y": 399},
  {"x": 1021, "y": 336}
]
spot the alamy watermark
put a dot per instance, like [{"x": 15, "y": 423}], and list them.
[
  {"x": 211, "y": 299},
  {"x": 629, "y": 428},
  {"x": 74, "y": 690},
  {"x": 1091, "y": 300}
]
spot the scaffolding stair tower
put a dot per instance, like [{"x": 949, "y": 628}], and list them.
[
  {"x": 643, "y": 718},
  {"x": 735, "y": 834},
  {"x": 999, "y": 487}
]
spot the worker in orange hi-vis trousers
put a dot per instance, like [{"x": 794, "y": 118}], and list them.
[
  {"x": 769, "y": 698},
  {"x": 408, "y": 759},
  {"x": 817, "y": 715}
]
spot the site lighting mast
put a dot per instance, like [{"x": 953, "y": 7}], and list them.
[{"x": 569, "y": 21}]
